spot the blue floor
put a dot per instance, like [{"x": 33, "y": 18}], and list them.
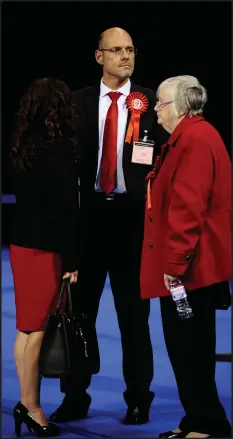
[{"x": 108, "y": 406}]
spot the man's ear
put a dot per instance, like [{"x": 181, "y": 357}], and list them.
[{"x": 99, "y": 57}]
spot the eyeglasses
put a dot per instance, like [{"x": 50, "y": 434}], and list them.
[
  {"x": 119, "y": 50},
  {"x": 162, "y": 104}
]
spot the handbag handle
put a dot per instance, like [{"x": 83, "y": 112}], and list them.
[{"x": 65, "y": 284}]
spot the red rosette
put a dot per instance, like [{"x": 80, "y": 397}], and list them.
[{"x": 137, "y": 103}]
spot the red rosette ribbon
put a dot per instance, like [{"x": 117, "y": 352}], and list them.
[{"x": 137, "y": 103}]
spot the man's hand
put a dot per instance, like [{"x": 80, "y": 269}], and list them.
[
  {"x": 72, "y": 276},
  {"x": 168, "y": 279}
]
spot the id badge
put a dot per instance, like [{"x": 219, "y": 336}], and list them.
[{"x": 143, "y": 152}]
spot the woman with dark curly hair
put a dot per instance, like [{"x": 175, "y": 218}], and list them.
[{"x": 43, "y": 243}]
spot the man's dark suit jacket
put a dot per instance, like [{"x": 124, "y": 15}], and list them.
[{"x": 87, "y": 104}]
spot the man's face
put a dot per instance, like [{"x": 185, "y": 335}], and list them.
[{"x": 119, "y": 60}]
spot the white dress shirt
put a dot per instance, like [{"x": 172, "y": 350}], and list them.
[{"x": 104, "y": 104}]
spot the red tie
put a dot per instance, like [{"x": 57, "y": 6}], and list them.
[{"x": 108, "y": 167}]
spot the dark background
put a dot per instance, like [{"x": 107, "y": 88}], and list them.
[{"x": 59, "y": 38}]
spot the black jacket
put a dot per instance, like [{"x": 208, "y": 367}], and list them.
[
  {"x": 87, "y": 104},
  {"x": 46, "y": 212}
]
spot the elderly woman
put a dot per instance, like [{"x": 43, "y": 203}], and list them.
[{"x": 187, "y": 239}]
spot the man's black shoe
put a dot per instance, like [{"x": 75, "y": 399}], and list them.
[
  {"x": 72, "y": 409},
  {"x": 136, "y": 416}
]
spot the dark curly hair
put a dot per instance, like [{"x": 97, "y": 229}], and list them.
[{"x": 46, "y": 113}]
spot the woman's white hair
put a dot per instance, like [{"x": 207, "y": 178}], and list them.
[{"x": 189, "y": 95}]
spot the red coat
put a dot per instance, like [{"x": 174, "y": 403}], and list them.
[{"x": 188, "y": 226}]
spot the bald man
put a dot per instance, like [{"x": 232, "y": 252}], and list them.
[{"x": 112, "y": 205}]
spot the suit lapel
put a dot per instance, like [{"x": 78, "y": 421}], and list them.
[
  {"x": 133, "y": 88},
  {"x": 92, "y": 107},
  {"x": 92, "y": 114},
  {"x": 128, "y": 147}
]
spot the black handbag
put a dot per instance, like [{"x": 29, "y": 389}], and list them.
[{"x": 68, "y": 341}]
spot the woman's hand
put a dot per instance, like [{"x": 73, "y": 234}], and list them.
[
  {"x": 170, "y": 279},
  {"x": 72, "y": 276}
]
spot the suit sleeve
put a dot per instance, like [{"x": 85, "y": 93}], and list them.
[
  {"x": 190, "y": 190},
  {"x": 63, "y": 206}
]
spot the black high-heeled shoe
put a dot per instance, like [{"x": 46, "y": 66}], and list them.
[{"x": 23, "y": 416}]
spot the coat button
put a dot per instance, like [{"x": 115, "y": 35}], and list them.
[
  {"x": 150, "y": 218},
  {"x": 187, "y": 257},
  {"x": 150, "y": 244}
]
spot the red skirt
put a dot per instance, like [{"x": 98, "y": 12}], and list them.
[{"x": 37, "y": 277}]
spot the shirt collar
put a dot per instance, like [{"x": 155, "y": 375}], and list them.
[
  {"x": 181, "y": 127},
  {"x": 125, "y": 89}
]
